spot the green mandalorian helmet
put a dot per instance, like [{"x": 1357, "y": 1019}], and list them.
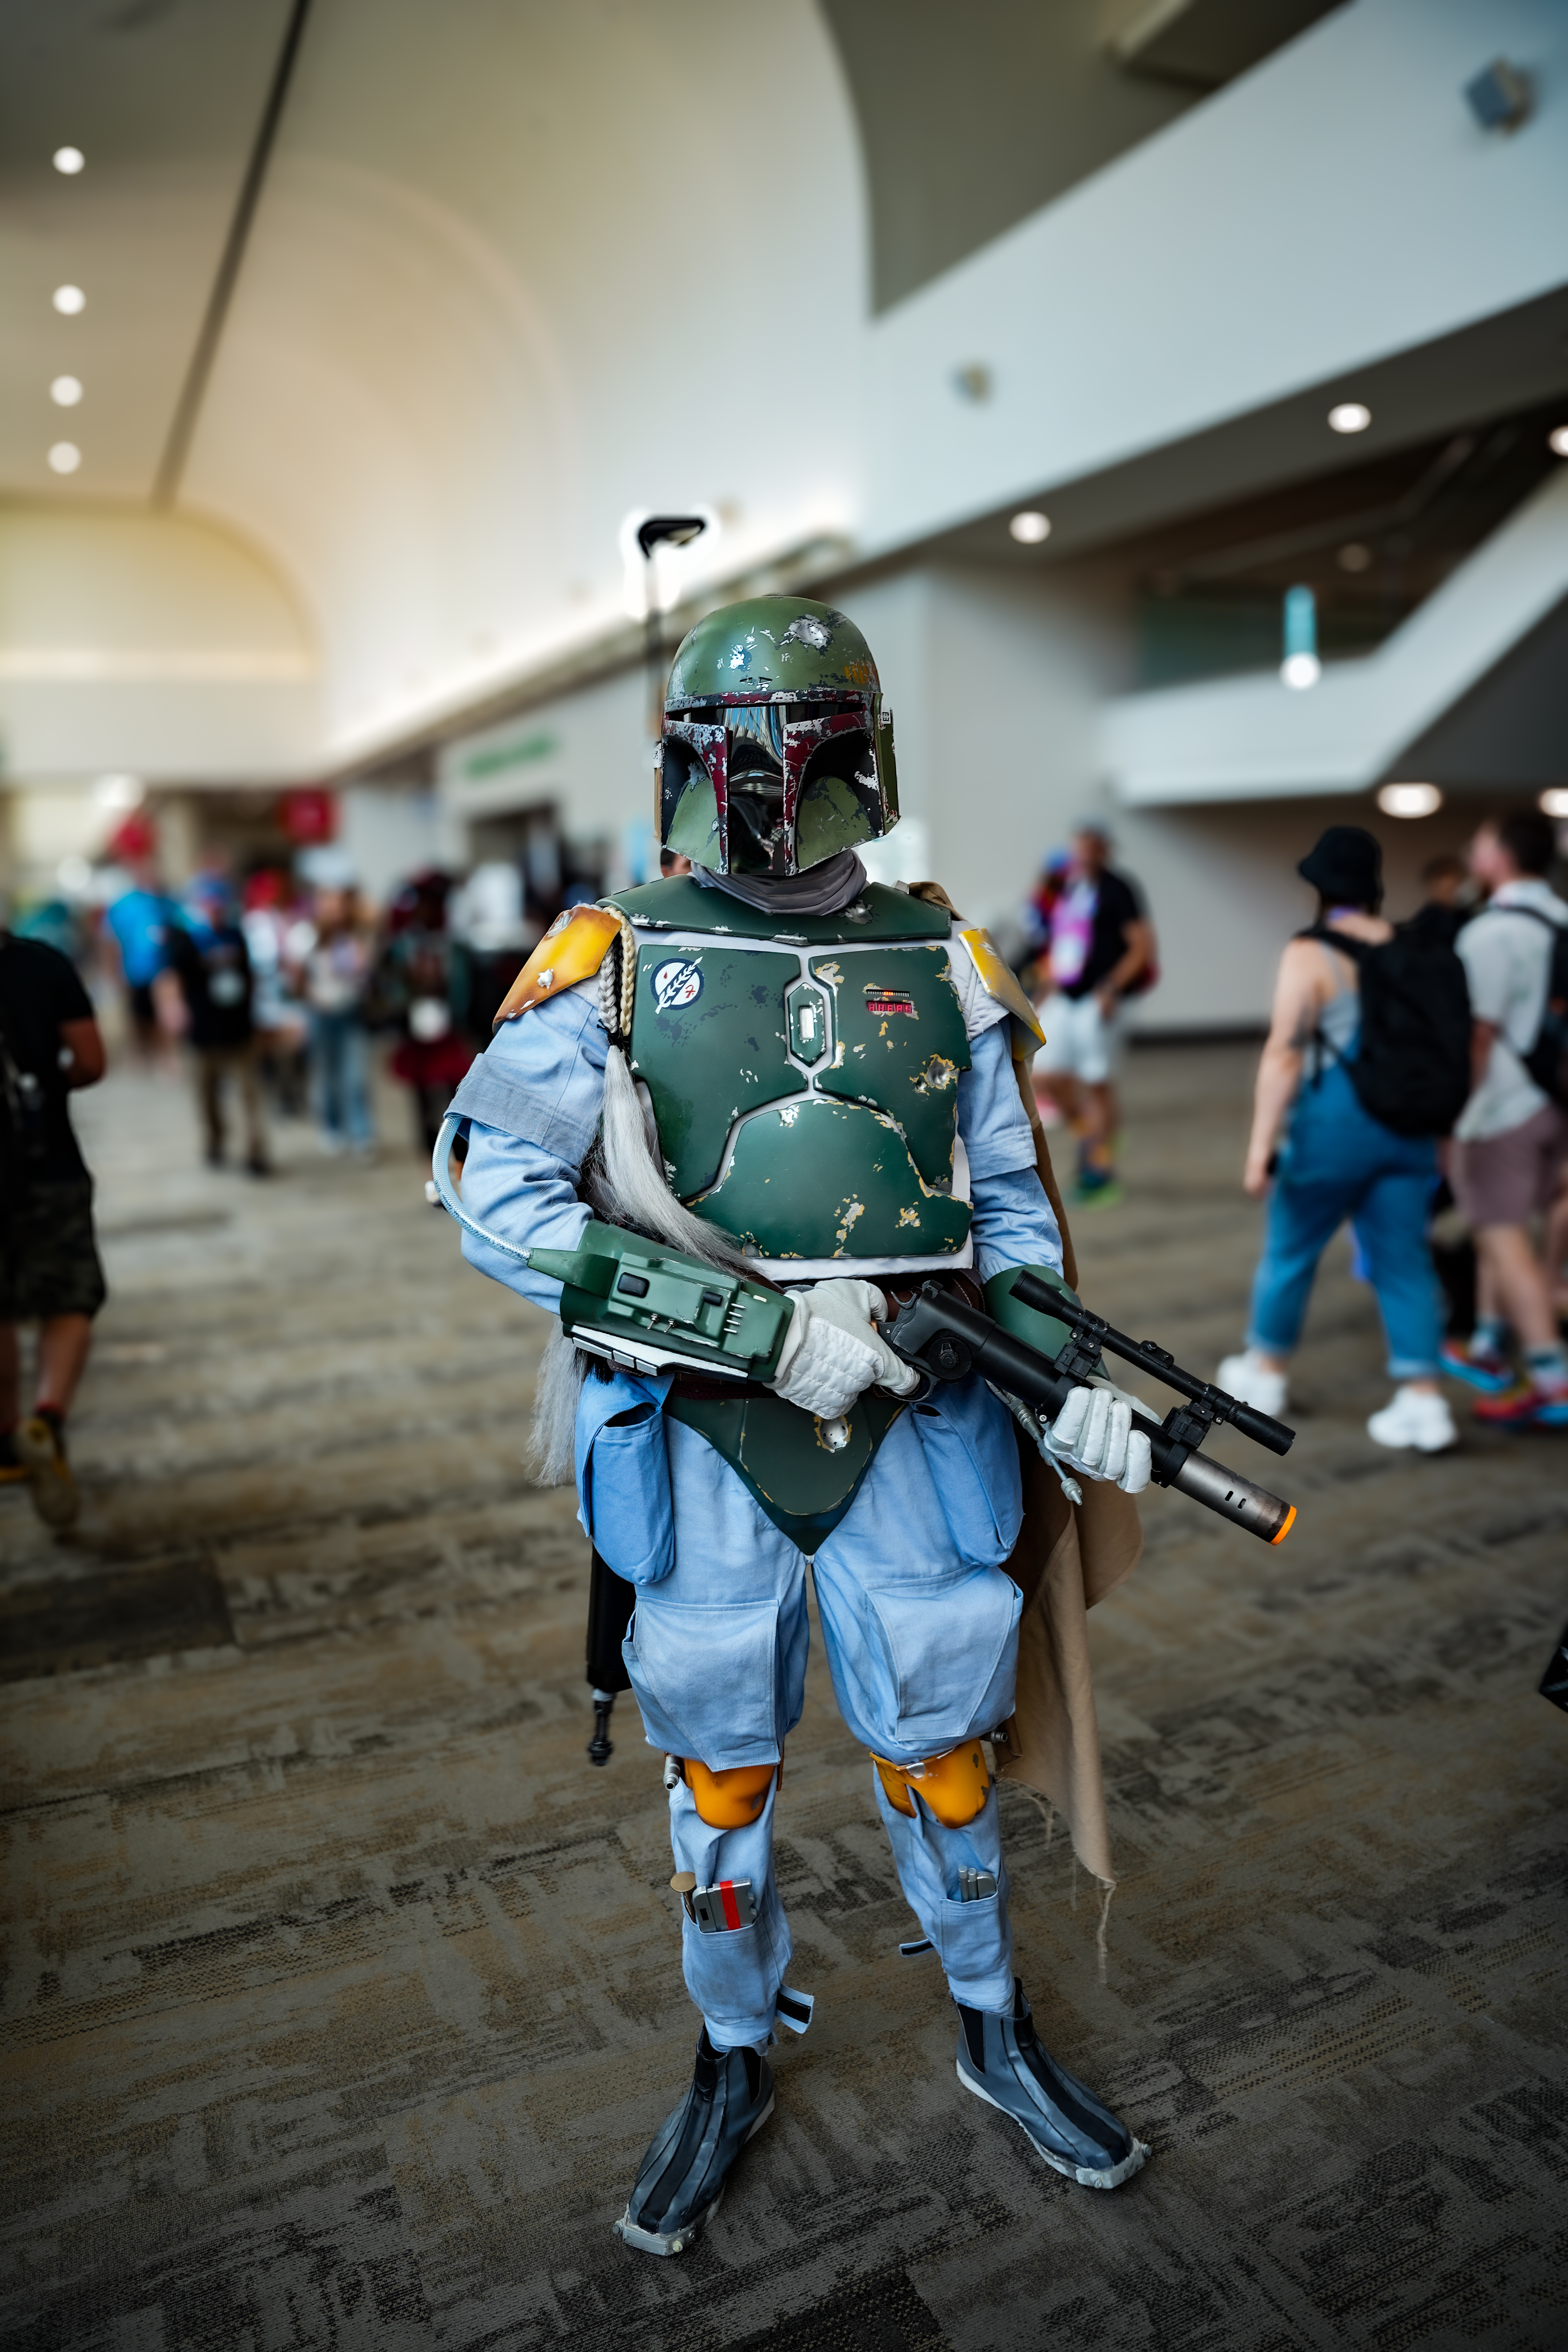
[{"x": 777, "y": 750}]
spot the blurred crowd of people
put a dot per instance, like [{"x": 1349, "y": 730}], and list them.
[
  {"x": 1414, "y": 1086},
  {"x": 276, "y": 986}
]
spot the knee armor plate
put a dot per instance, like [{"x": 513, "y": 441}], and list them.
[{"x": 954, "y": 1786}]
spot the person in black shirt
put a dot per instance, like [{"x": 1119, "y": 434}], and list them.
[
  {"x": 50, "y": 1269},
  {"x": 204, "y": 995},
  {"x": 1101, "y": 951}
]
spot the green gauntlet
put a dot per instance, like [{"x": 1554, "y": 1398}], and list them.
[{"x": 653, "y": 1310}]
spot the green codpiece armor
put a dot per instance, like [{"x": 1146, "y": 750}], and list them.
[
  {"x": 804, "y": 1076},
  {"x": 803, "y": 1072}
]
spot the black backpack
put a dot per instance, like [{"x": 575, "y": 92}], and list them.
[
  {"x": 1547, "y": 1060},
  {"x": 1412, "y": 1067}
]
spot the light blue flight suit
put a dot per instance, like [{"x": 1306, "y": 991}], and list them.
[{"x": 919, "y": 1617}]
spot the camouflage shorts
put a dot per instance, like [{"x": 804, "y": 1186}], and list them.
[{"x": 48, "y": 1259}]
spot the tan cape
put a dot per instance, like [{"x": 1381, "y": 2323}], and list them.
[{"x": 1067, "y": 1556}]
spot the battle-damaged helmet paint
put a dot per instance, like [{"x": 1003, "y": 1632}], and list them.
[{"x": 777, "y": 750}]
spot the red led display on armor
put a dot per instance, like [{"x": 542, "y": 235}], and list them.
[{"x": 881, "y": 1001}]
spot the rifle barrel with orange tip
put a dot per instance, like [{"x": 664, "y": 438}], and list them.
[
  {"x": 945, "y": 1338},
  {"x": 1228, "y": 1492}
]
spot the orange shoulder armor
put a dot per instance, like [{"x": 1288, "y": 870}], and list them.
[{"x": 572, "y": 950}]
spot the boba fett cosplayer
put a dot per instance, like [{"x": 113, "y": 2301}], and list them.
[{"x": 742, "y": 1109}]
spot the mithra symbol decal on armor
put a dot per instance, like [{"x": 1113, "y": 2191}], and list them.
[
  {"x": 881, "y": 1001},
  {"x": 677, "y": 983}
]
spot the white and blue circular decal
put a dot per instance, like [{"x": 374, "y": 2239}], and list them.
[{"x": 677, "y": 983}]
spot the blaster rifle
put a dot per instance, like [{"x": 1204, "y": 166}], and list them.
[{"x": 944, "y": 1338}]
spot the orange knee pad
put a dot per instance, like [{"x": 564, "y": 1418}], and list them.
[
  {"x": 731, "y": 1800},
  {"x": 954, "y": 1786}
]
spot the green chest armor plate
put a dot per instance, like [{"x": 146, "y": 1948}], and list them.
[{"x": 804, "y": 1083}]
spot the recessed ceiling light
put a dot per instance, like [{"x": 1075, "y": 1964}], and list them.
[
  {"x": 1030, "y": 528},
  {"x": 65, "y": 391},
  {"x": 1409, "y": 799},
  {"x": 1554, "y": 801},
  {"x": 1558, "y": 440},
  {"x": 1356, "y": 557},
  {"x": 1301, "y": 671},
  {"x": 68, "y": 160},
  {"x": 65, "y": 458},
  {"x": 69, "y": 300},
  {"x": 1350, "y": 416}
]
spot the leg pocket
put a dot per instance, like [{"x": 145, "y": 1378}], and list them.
[
  {"x": 719, "y": 1681},
  {"x": 975, "y": 1944},
  {"x": 948, "y": 1655},
  {"x": 623, "y": 1483},
  {"x": 966, "y": 1437}
]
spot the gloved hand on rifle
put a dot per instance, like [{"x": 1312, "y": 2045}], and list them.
[
  {"x": 833, "y": 1349},
  {"x": 1093, "y": 1435}
]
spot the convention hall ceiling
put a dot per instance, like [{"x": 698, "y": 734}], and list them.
[
  {"x": 968, "y": 123},
  {"x": 162, "y": 98}
]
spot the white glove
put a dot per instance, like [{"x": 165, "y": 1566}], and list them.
[
  {"x": 1093, "y": 1433},
  {"x": 833, "y": 1349}
]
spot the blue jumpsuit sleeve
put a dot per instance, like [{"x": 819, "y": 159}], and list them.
[
  {"x": 531, "y": 1107},
  {"x": 1013, "y": 1222}
]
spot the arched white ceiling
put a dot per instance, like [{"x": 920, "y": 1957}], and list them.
[
  {"x": 519, "y": 270},
  {"x": 515, "y": 270}
]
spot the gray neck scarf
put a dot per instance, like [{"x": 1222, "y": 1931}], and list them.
[{"x": 822, "y": 889}]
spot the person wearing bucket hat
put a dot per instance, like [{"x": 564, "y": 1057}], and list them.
[
  {"x": 1337, "y": 1161},
  {"x": 1344, "y": 867}
]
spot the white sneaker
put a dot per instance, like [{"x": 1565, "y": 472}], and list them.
[
  {"x": 1415, "y": 1417},
  {"x": 1256, "y": 1383}
]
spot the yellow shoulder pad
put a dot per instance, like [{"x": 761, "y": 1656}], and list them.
[
  {"x": 998, "y": 982},
  {"x": 572, "y": 950}
]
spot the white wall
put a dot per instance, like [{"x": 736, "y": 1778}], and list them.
[
  {"x": 996, "y": 680},
  {"x": 147, "y": 643},
  {"x": 588, "y": 751},
  {"x": 389, "y": 832},
  {"x": 1337, "y": 205}
]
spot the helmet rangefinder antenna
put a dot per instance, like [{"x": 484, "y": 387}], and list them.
[{"x": 660, "y": 530}]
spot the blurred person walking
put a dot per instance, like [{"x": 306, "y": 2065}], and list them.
[
  {"x": 1339, "y": 1162},
  {"x": 203, "y": 995},
  {"x": 139, "y": 921},
  {"x": 1102, "y": 950},
  {"x": 1451, "y": 900},
  {"x": 1510, "y": 1146},
  {"x": 282, "y": 1026},
  {"x": 50, "y": 1268},
  {"x": 413, "y": 981},
  {"x": 335, "y": 954},
  {"x": 492, "y": 936}
]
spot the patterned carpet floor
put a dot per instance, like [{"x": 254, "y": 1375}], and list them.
[{"x": 341, "y": 1995}]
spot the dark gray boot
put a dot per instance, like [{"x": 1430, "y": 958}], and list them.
[
  {"x": 689, "y": 2159},
  {"x": 1003, "y": 2061}
]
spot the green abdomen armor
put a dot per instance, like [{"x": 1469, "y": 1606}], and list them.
[{"x": 806, "y": 1098}]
